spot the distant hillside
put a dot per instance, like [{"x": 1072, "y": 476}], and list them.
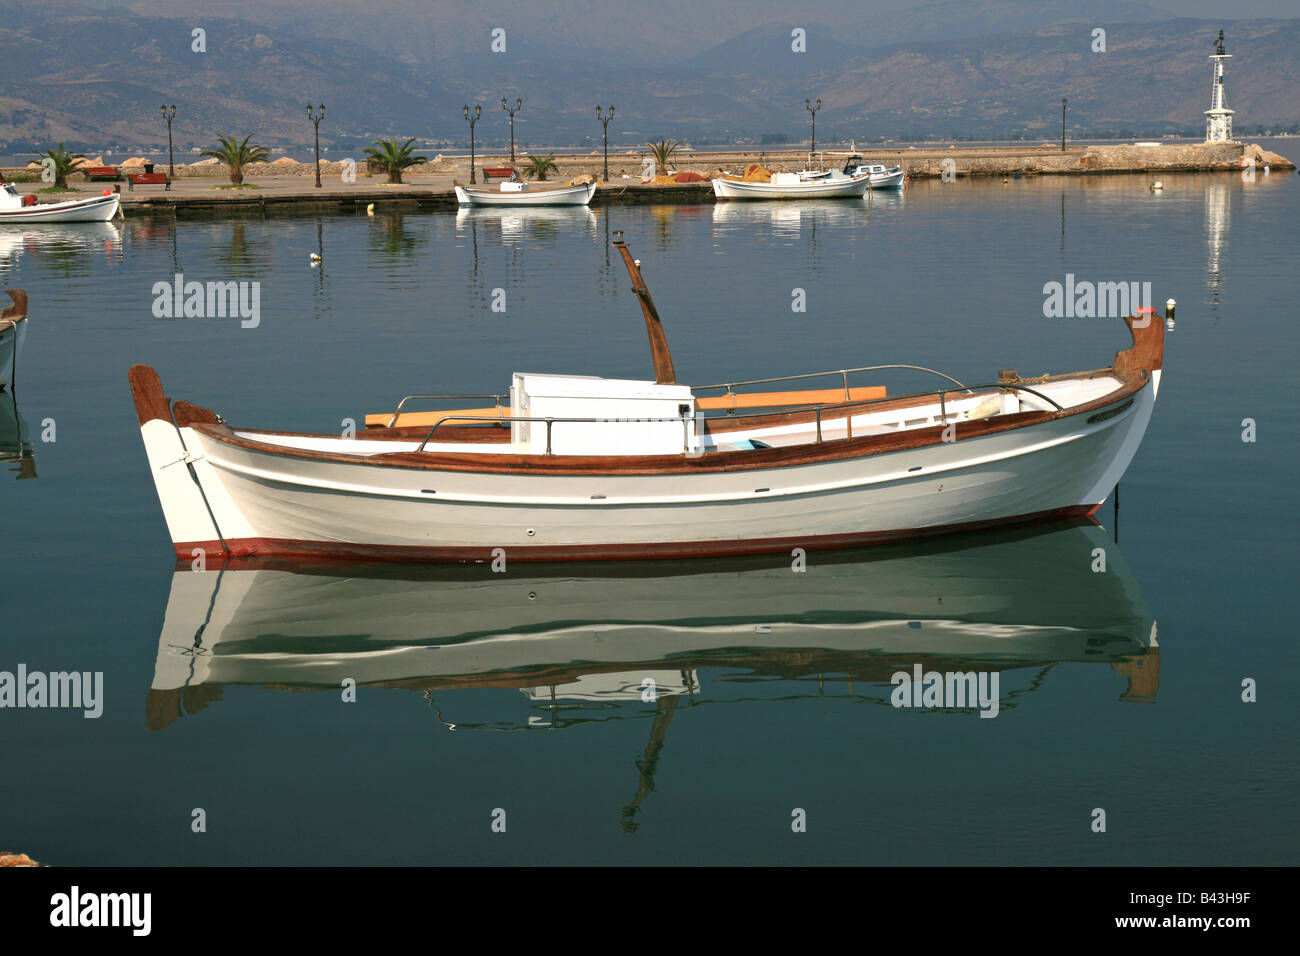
[{"x": 96, "y": 79}]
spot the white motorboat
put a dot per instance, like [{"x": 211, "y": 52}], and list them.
[
  {"x": 26, "y": 209},
  {"x": 879, "y": 175},
  {"x": 792, "y": 186},
  {"x": 514, "y": 193},
  {"x": 13, "y": 329},
  {"x": 573, "y": 467}
]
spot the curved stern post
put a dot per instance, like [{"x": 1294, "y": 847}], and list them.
[{"x": 189, "y": 520}]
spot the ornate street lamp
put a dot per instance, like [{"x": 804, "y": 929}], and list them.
[
  {"x": 471, "y": 120},
  {"x": 1062, "y": 124},
  {"x": 512, "y": 110},
  {"x": 811, "y": 108},
  {"x": 604, "y": 122},
  {"x": 169, "y": 116},
  {"x": 316, "y": 122}
]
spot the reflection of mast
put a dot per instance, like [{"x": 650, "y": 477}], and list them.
[
  {"x": 649, "y": 763},
  {"x": 1216, "y": 231}
]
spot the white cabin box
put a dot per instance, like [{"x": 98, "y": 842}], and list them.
[
  {"x": 786, "y": 179},
  {"x": 639, "y": 418},
  {"x": 512, "y": 187}
]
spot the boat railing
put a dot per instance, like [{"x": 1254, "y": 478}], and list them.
[
  {"x": 843, "y": 373},
  {"x": 551, "y": 420},
  {"x": 496, "y": 399},
  {"x": 686, "y": 421}
]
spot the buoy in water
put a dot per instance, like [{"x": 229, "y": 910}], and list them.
[
  {"x": 370, "y": 209},
  {"x": 315, "y": 259},
  {"x": 1169, "y": 313},
  {"x": 1157, "y": 186}
]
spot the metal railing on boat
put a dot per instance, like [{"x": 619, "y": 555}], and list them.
[
  {"x": 685, "y": 422},
  {"x": 843, "y": 373},
  {"x": 496, "y": 400}
]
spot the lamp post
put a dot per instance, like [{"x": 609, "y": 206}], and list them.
[
  {"x": 316, "y": 122},
  {"x": 1062, "y": 124},
  {"x": 604, "y": 122},
  {"x": 169, "y": 116},
  {"x": 519, "y": 104},
  {"x": 471, "y": 120},
  {"x": 808, "y": 105}
]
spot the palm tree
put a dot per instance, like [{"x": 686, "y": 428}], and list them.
[
  {"x": 392, "y": 157},
  {"x": 538, "y": 166},
  {"x": 236, "y": 155},
  {"x": 61, "y": 161},
  {"x": 663, "y": 153}
]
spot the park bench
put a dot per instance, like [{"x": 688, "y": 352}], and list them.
[
  {"x": 148, "y": 179},
  {"x": 500, "y": 172},
  {"x": 102, "y": 173}
]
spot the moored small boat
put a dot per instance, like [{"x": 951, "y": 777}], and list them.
[
  {"x": 13, "y": 329},
  {"x": 575, "y": 467},
  {"x": 513, "y": 193},
  {"x": 878, "y": 174},
  {"x": 26, "y": 209},
  {"x": 792, "y": 186}
]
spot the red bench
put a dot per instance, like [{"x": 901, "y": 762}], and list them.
[
  {"x": 148, "y": 179},
  {"x": 102, "y": 173},
  {"x": 500, "y": 172}
]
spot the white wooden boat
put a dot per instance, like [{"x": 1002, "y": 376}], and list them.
[
  {"x": 792, "y": 186},
  {"x": 526, "y": 194},
  {"x": 575, "y": 467},
  {"x": 13, "y": 329},
  {"x": 25, "y": 209},
  {"x": 595, "y": 631}
]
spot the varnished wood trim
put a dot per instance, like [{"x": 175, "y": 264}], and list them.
[
  {"x": 1147, "y": 352},
  {"x": 147, "y": 390},
  {"x": 804, "y": 454},
  {"x": 663, "y": 359},
  {"x": 186, "y": 414},
  {"x": 19, "y": 308}
]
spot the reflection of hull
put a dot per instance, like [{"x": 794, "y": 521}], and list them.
[
  {"x": 1014, "y": 599},
  {"x": 805, "y": 189},
  {"x": 11, "y": 343},
  {"x": 93, "y": 209},
  {"x": 578, "y": 195},
  {"x": 518, "y": 222},
  {"x": 15, "y": 444}
]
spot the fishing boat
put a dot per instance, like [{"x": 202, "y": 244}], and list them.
[
  {"x": 576, "y": 466},
  {"x": 793, "y": 186},
  {"x": 514, "y": 193},
  {"x": 26, "y": 209},
  {"x": 594, "y": 632},
  {"x": 13, "y": 329},
  {"x": 879, "y": 175}
]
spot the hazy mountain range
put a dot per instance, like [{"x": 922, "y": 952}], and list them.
[{"x": 93, "y": 73}]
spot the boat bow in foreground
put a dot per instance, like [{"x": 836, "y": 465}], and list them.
[{"x": 581, "y": 467}]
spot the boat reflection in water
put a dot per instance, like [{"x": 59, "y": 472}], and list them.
[
  {"x": 65, "y": 249},
  {"x": 16, "y": 452},
  {"x": 510, "y": 224},
  {"x": 583, "y": 641}
]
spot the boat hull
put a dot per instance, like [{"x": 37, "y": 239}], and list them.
[
  {"x": 809, "y": 189},
  {"x": 12, "y": 333},
  {"x": 579, "y": 195},
  {"x": 94, "y": 209},
  {"x": 265, "y": 501}
]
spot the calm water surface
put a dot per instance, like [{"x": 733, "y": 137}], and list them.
[{"x": 524, "y": 691}]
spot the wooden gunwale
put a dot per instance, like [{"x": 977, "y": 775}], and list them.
[{"x": 760, "y": 458}]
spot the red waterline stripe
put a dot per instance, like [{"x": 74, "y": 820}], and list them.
[{"x": 253, "y": 547}]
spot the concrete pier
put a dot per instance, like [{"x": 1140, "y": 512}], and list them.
[{"x": 430, "y": 185}]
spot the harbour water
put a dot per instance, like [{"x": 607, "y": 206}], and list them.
[{"x": 662, "y": 712}]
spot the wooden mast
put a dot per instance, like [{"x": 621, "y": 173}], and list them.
[{"x": 663, "y": 359}]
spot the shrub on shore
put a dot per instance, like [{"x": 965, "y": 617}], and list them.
[{"x": 538, "y": 166}]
